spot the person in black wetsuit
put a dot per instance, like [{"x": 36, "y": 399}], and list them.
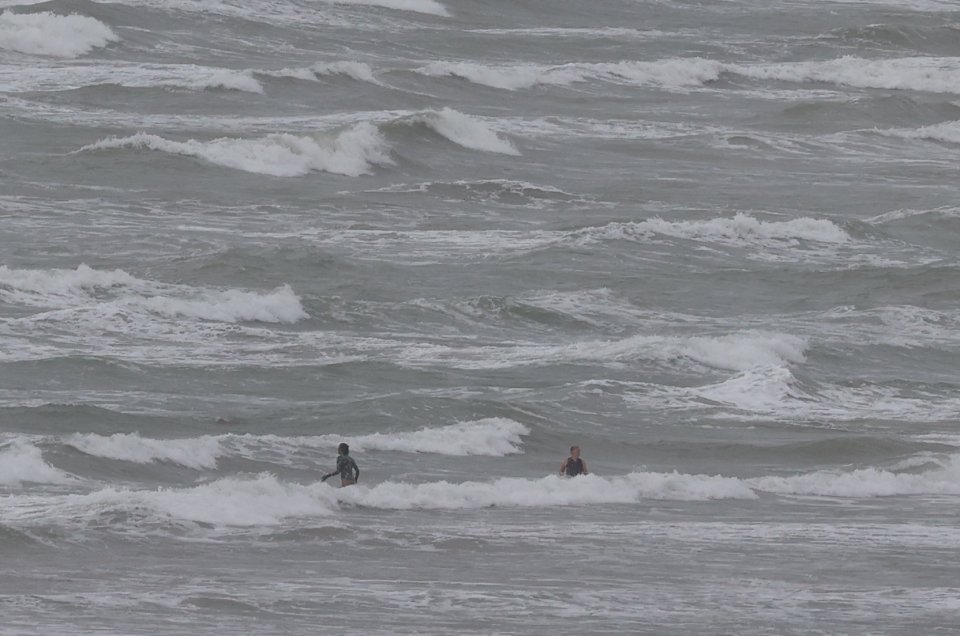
[
  {"x": 347, "y": 468},
  {"x": 573, "y": 465}
]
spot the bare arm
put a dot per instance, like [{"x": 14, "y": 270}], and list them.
[
  {"x": 583, "y": 463},
  {"x": 563, "y": 466}
]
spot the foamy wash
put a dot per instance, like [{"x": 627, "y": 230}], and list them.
[{"x": 713, "y": 244}]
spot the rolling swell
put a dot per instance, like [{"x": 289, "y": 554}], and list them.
[
  {"x": 941, "y": 39},
  {"x": 352, "y": 152}
]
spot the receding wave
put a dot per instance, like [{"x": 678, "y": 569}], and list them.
[{"x": 47, "y": 33}]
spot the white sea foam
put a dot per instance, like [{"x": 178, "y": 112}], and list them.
[
  {"x": 742, "y": 229},
  {"x": 65, "y": 282},
  {"x": 281, "y": 305},
  {"x": 547, "y": 491},
  {"x": 462, "y": 130},
  {"x": 948, "y": 132},
  {"x": 868, "y": 482},
  {"x": 670, "y": 73},
  {"x": 14, "y": 78},
  {"x": 117, "y": 291},
  {"x": 736, "y": 351},
  {"x": 265, "y": 500},
  {"x": 353, "y": 152},
  {"x": 431, "y": 7},
  {"x": 23, "y": 462},
  {"x": 744, "y": 351},
  {"x": 494, "y": 437},
  {"x": 758, "y": 388},
  {"x": 355, "y": 70},
  {"x": 231, "y": 501},
  {"x": 203, "y": 78},
  {"x": 803, "y": 237},
  {"x": 578, "y": 32},
  {"x": 197, "y": 452},
  {"x": 948, "y": 211},
  {"x": 46, "y": 33},
  {"x": 933, "y": 74}
]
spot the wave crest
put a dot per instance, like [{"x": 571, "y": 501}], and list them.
[
  {"x": 22, "y": 462},
  {"x": 742, "y": 229},
  {"x": 47, "y": 33},
  {"x": 494, "y": 437},
  {"x": 353, "y": 152},
  {"x": 117, "y": 291},
  {"x": 670, "y": 73},
  {"x": 462, "y": 130}
]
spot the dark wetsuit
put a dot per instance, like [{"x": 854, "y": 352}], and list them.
[
  {"x": 573, "y": 467},
  {"x": 348, "y": 469}
]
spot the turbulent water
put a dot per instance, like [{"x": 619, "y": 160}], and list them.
[{"x": 713, "y": 243}]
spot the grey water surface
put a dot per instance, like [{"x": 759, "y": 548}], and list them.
[{"x": 714, "y": 243}]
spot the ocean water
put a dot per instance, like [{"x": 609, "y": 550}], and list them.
[{"x": 714, "y": 243}]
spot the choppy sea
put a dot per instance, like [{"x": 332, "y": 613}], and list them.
[{"x": 714, "y": 243}]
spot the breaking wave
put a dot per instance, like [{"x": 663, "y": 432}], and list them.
[
  {"x": 933, "y": 74},
  {"x": 119, "y": 291},
  {"x": 46, "y": 33},
  {"x": 353, "y": 152},
  {"x": 948, "y": 132},
  {"x": 742, "y": 229},
  {"x": 355, "y": 70},
  {"x": 491, "y": 437},
  {"x": 673, "y": 73},
  {"x": 737, "y": 352},
  {"x": 265, "y": 500},
  {"x": 22, "y": 462},
  {"x": 462, "y": 130}
]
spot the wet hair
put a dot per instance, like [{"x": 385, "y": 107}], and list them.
[
  {"x": 573, "y": 447},
  {"x": 343, "y": 448}
]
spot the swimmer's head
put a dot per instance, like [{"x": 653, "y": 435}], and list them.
[{"x": 343, "y": 449}]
